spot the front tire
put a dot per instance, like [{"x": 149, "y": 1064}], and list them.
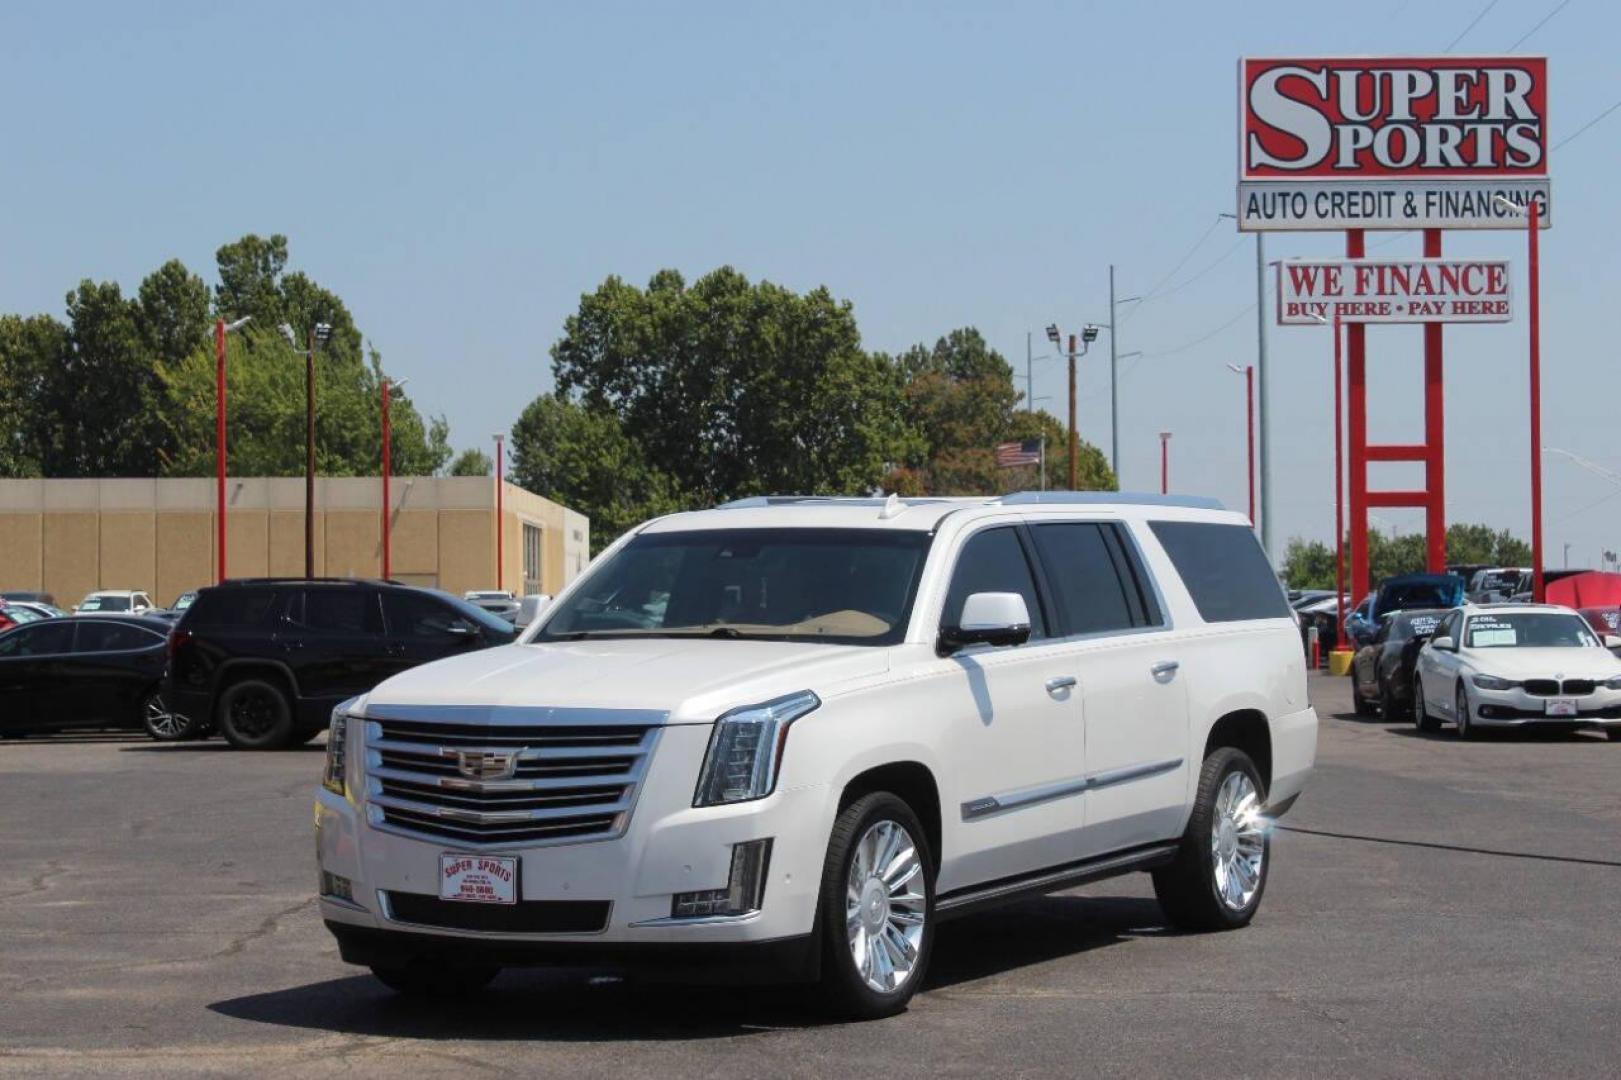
[
  {"x": 877, "y": 908},
  {"x": 1219, "y": 875},
  {"x": 1362, "y": 705},
  {"x": 163, "y": 723},
  {"x": 1389, "y": 711},
  {"x": 255, "y": 715},
  {"x": 1460, "y": 714},
  {"x": 1421, "y": 715},
  {"x": 433, "y": 981}
]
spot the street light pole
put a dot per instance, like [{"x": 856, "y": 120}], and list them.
[
  {"x": 221, "y": 328},
  {"x": 500, "y": 458},
  {"x": 1114, "y": 382},
  {"x": 309, "y": 457},
  {"x": 1074, "y": 436},
  {"x": 1260, "y": 363},
  {"x": 1248, "y": 371},
  {"x": 389, "y": 390},
  {"x": 1165, "y": 463}
]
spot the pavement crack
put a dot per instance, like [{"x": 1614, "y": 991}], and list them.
[
  {"x": 266, "y": 927},
  {"x": 39, "y": 882}
]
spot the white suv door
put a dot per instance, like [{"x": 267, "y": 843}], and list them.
[
  {"x": 1017, "y": 748},
  {"x": 1133, "y": 700}
]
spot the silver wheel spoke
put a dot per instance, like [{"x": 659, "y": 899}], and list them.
[
  {"x": 1238, "y": 838},
  {"x": 886, "y": 907}
]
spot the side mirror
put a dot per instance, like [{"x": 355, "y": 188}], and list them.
[
  {"x": 989, "y": 618},
  {"x": 1612, "y": 641},
  {"x": 1444, "y": 643}
]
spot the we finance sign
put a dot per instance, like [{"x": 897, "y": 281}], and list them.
[
  {"x": 1393, "y": 291},
  {"x": 1387, "y": 143}
]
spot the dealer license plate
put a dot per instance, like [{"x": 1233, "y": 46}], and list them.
[
  {"x": 478, "y": 879},
  {"x": 1560, "y": 706}
]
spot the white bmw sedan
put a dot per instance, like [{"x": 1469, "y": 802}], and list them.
[{"x": 1517, "y": 665}]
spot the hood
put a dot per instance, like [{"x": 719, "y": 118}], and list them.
[
  {"x": 1520, "y": 663},
  {"x": 693, "y": 680}
]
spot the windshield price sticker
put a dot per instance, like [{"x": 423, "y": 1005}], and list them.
[
  {"x": 478, "y": 879},
  {"x": 1484, "y": 633}
]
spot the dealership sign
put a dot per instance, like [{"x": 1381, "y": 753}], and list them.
[
  {"x": 1393, "y": 291},
  {"x": 1391, "y": 143}
]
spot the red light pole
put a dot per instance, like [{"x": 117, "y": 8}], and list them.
[
  {"x": 1165, "y": 463},
  {"x": 221, "y": 328},
  {"x": 1248, "y": 371},
  {"x": 500, "y": 455},
  {"x": 1339, "y": 496}
]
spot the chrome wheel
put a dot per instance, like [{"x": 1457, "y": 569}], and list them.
[
  {"x": 1238, "y": 841},
  {"x": 161, "y": 721},
  {"x": 885, "y": 906}
]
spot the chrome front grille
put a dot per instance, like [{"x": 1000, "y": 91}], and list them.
[{"x": 497, "y": 777}]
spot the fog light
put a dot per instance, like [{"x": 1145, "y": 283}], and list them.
[
  {"x": 335, "y": 886},
  {"x": 745, "y": 888}
]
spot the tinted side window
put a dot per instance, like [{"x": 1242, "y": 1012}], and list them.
[
  {"x": 40, "y": 639},
  {"x": 230, "y": 607},
  {"x": 111, "y": 636},
  {"x": 341, "y": 611},
  {"x": 993, "y": 561},
  {"x": 1098, "y": 583},
  {"x": 1224, "y": 569},
  {"x": 416, "y": 616}
]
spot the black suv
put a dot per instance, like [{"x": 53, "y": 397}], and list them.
[{"x": 264, "y": 660}]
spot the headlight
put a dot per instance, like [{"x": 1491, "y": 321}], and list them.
[
  {"x": 1492, "y": 682},
  {"x": 337, "y": 752},
  {"x": 1613, "y": 684},
  {"x": 746, "y": 748}
]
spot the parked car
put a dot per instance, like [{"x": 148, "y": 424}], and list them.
[
  {"x": 496, "y": 602},
  {"x": 1400, "y": 593},
  {"x": 264, "y": 660},
  {"x": 1360, "y": 624},
  {"x": 1497, "y": 584},
  {"x": 17, "y": 615},
  {"x": 1605, "y": 621},
  {"x": 1301, "y": 599},
  {"x": 1519, "y": 665},
  {"x": 43, "y": 610},
  {"x": 120, "y": 601},
  {"x": 1382, "y": 671},
  {"x": 796, "y": 734},
  {"x": 85, "y": 672},
  {"x": 28, "y": 596}
]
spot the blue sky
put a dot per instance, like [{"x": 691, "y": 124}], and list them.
[{"x": 460, "y": 174}]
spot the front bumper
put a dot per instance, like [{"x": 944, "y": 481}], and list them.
[
  {"x": 621, "y": 888},
  {"x": 1516, "y": 708}
]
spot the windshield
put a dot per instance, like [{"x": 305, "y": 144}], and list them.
[
  {"x": 1421, "y": 594},
  {"x": 105, "y": 603},
  {"x": 1500, "y": 580},
  {"x": 1529, "y": 629},
  {"x": 851, "y": 586}
]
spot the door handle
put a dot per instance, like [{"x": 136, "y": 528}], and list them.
[
  {"x": 1060, "y": 683},
  {"x": 1164, "y": 669}
]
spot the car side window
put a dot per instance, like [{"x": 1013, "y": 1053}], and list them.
[
  {"x": 994, "y": 561},
  {"x": 415, "y": 616},
  {"x": 339, "y": 611},
  {"x": 1096, "y": 586},
  {"x": 112, "y": 637},
  {"x": 42, "y": 639}
]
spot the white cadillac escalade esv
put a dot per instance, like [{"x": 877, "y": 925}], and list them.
[{"x": 788, "y": 736}]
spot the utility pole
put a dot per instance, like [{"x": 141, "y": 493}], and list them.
[
  {"x": 1029, "y": 376},
  {"x": 309, "y": 457},
  {"x": 1114, "y": 382},
  {"x": 1074, "y": 437}
]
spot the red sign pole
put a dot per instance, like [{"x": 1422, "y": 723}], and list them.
[
  {"x": 1435, "y": 515},
  {"x": 499, "y": 523},
  {"x": 387, "y": 461},
  {"x": 1165, "y": 463},
  {"x": 1537, "y": 592},
  {"x": 1339, "y": 494},
  {"x": 1357, "y": 425}
]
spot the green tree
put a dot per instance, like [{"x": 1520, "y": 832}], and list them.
[
  {"x": 250, "y": 272},
  {"x": 733, "y": 387},
  {"x": 472, "y": 462},
  {"x": 584, "y": 458},
  {"x": 32, "y": 352},
  {"x": 106, "y": 395},
  {"x": 1308, "y": 564},
  {"x": 174, "y": 312}
]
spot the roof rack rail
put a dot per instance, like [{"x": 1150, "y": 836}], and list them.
[
  {"x": 299, "y": 579},
  {"x": 1135, "y": 498},
  {"x": 755, "y": 502}
]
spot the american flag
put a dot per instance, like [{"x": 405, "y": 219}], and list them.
[{"x": 1010, "y": 455}]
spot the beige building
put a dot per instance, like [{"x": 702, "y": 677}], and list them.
[{"x": 70, "y": 537}]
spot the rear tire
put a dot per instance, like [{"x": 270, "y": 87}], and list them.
[
  {"x": 877, "y": 903},
  {"x": 1388, "y": 709},
  {"x": 1219, "y": 876},
  {"x": 163, "y": 723},
  {"x": 255, "y": 715},
  {"x": 421, "y": 979},
  {"x": 1363, "y": 706}
]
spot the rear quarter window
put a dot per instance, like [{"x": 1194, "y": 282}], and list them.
[
  {"x": 1224, "y": 569},
  {"x": 230, "y": 608}
]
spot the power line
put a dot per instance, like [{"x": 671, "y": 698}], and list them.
[
  {"x": 1473, "y": 23},
  {"x": 1180, "y": 263},
  {"x": 1571, "y": 137},
  {"x": 1173, "y": 290},
  {"x": 1202, "y": 338},
  {"x": 1540, "y": 24}
]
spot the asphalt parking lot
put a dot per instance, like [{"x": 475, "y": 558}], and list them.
[{"x": 1435, "y": 907}]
